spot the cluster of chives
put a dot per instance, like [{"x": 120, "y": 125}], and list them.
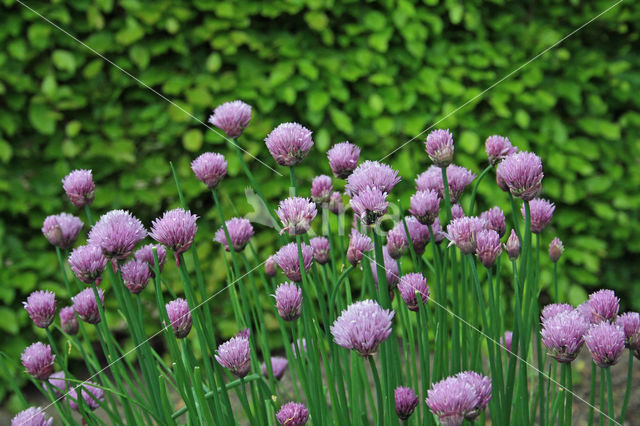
[{"x": 448, "y": 336}]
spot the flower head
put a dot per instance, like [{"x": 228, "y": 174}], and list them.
[
  {"x": 606, "y": 343},
  {"x": 270, "y": 266},
  {"x": 235, "y": 355},
  {"x": 87, "y": 263},
  {"x": 68, "y": 320},
  {"x": 482, "y": 388},
  {"x": 289, "y": 143},
  {"x": 37, "y": 359},
  {"x": 136, "y": 275},
  {"x": 363, "y": 326},
  {"x": 179, "y": 317},
  {"x": 41, "y": 307},
  {"x": 296, "y": 214},
  {"x": 555, "y": 249},
  {"x": 563, "y": 333},
  {"x": 554, "y": 309},
  {"x": 439, "y": 146},
  {"x": 390, "y": 268},
  {"x": 411, "y": 286},
  {"x": 321, "y": 249},
  {"x": 176, "y": 229},
  {"x": 231, "y": 117},
  {"x": 457, "y": 211},
  {"x": 278, "y": 367},
  {"x": 321, "y": 189},
  {"x": 343, "y": 159},
  {"x": 512, "y": 246},
  {"x": 458, "y": 179},
  {"x": 463, "y": 233},
  {"x": 62, "y": 230},
  {"x": 488, "y": 247},
  {"x": 79, "y": 187},
  {"x": 425, "y": 206},
  {"x": 522, "y": 174},
  {"x": 245, "y": 333},
  {"x": 293, "y": 414},
  {"x": 494, "y": 217},
  {"x": 116, "y": 233},
  {"x": 240, "y": 232},
  {"x": 91, "y": 395},
  {"x": 358, "y": 245},
  {"x": 289, "y": 301},
  {"x": 604, "y": 306},
  {"x": 629, "y": 322},
  {"x": 287, "y": 259},
  {"x": 145, "y": 254},
  {"x": 497, "y": 148},
  {"x": 431, "y": 179},
  {"x": 210, "y": 168},
  {"x": 336, "y": 205},
  {"x": 32, "y": 416},
  {"x": 418, "y": 233},
  {"x": 541, "y": 214},
  {"x": 85, "y": 305},
  {"x": 438, "y": 234},
  {"x": 452, "y": 400},
  {"x": 369, "y": 205},
  {"x": 397, "y": 242},
  {"x": 406, "y": 401},
  {"x": 506, "y": 340},
  {"x": 372, "y": 175}
]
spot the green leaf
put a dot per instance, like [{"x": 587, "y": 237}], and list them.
[
  {"x": 192, "y": 140},
  {"x": 43, "y": 119},
  {"x": 341, "y": 120},
  {"x": 318, "y": 100},
  {"x": 8, "y": 320},
  {"x": 64, "y": 60}
]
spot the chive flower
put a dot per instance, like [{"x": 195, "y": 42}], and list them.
[
  {"x": 336, "y": 205},
  {"x": 457, "y": 211},
  {"x": 439, "y": 147},
  {"x": 390, "y": 268},
  {"x": 541, "y": 214},
  {"x": 629, "y": 322},
  {"x": 62, "y": 230},
  {"x": 418, "y": 233},
  {"x": 498, "y": 147},
  {"x": 372, "y": 175},
  {"x": 91, "y": 396},
  {"x": 79, "y": 187},
  {"x": 512, "y": 246},
  {"x": 245, "y": 333},
  {"x": 278, "y": 367},
  {"x": 41, "y": 307},
  {"x": 369, "y": 205},
  {"x": 494, "y": 217},
  {"x": 430, "y": 180},
  {"x": 68, "y": 320},
  {"x": 289, "y": 143},
  {"x": 321, "y": 189},
  {"x": 453, "y": 399},
  {"x": 88, "y": 263},
  {"x": 363, "y": 326},
  {"x": 38, "y": 359},
  {"x": 458, "y": 178},
  {"x": 240, "y": 232},
  {"x": 488, "y": 247},
  {"x": 176, "y": 229},
  {"x": 506, "y": 340},
  {"x": 235, "y": 355},
  {"x": 563, "y": 335},
  {"x": 406, "y": 401},
  {"x": 287, "y": 259},
  {"x": 296, "y": 215},
  {"x": 438, "y": 234},
  {"x": 606, "y": 342},
  {"x": 289, "y": 301},
  {"x": 604, "y": 306},
  {"x": 321, "y": 249},
  {"x": 293, "y": 414},
  {"x": 463, "y": 233},
  {"x": 411, "y": 286},
  {"x": 210, "y": 168},
  {"x": 358, "y": 245},
  {"x": 117, "y": 233},
  {"x": 136, "y": 275},
  {"x": 270, "y": 266},
  {"x": 145, "y": 254},
  {"x": 343, "y": 159},
  {"x": 32, "y": 416},
  {"x": 482, "y": 388},
  {"x": 86, "y": 306},
  {"x": 231, "y": 117},
  {"x": 522, "y": 174},
  {"x": 554, "y": 309},
  {"x": 397, "y": 243},
  {"x": 425, "y": 206},
  {"x": 555, "y": 249},
  {"x": 179, "y": 317}
]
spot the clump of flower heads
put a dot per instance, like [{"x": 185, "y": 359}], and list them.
[{"x": 363, "y": 326}]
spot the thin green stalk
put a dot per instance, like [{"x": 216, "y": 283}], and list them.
[
  {"x": 563, "y": 392},
  {"x": 292, "y": 179},
  {"x": 569, "y": 395},
  {"x": 602, "y": 390},
  {"x": 627, "y": 392},
  {"x": 447, "y": 197},
  {"x": 607, "y": 372},
  {"x": 336, "y": 288},
  {"x": 475, "y": 189},
  {"x": 592, "y": 393},
  {"x": 556, "y": 293},
  {"x": 379, "y": 391}
]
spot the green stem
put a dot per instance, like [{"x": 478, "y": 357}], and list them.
[
  {"x": 627, "y": 392},
  {"x": 447, "y": 198},
  {"x": 592, "y": 393},
  {"x": 336, "y": 288},
  {"x": 555, "y": 282},
  {"x": 569, "y": 396},
  {"x": 475, "y": 189},
  {"x": 602, "y": 390},
  {"x": 607, "y": 372},
  {"x": 379, "y": 390}
]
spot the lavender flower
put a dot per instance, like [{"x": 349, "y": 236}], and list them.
[
  {"x": 585, "y": 311},
  {"x": 79, "y": 187},
  {"x": 629, "y": 322},
  {"x": 406, "y": 401},
  {"x": 210, "y": 168},
  {"x": 438, "y": 233},
  {"x": 452, "y": 399},
  {"x": 32, "y": 416},
  {"x": 554, "y": 309},
  {"x": 245, "y": 333},
  {"x": 91, "y": 395},
  {"x": 85, "y": 305},
  {"x": 293, "y": 414},
  {"x": 235, "y": 355},
  {"x": 506, "y": 340},
  {"x": 41, "y": 307},
  {"x": 512, "y": 246},
  {"x": 358, "y": 245},
  {"x": 458, "y": 179},
  {"x": 397, "y": 242},
  {"x": 563, "y": 335},
  {"x": 390, "y": 268},
  {"x": 270, "y": 266},
  {"x": 136, "y": 275},
  {"x": 240, "y": 232},
  {"x": 439, "y": 146},
  {"x": 296, "y": 214},
  {"x": 522, "y": 174},
  {"x": 336, "y": 205},
  {"x": 278, "y": 367},
  {"x": 555, "y": 249},
  {"x": 606, "y": 342},
  {"x": 68, "y": 320},
  {"x": 431, "y": 179},
  {"x": 287, "y": 259},
  {"x": 462, "y": 232},
  {"x": 418, "y": 233},
  {"x": 62, "y": 230},
  {"x": 179, "y": 317},
  {"x": 321, "y": 249},
  {"x": 231, "y": 117},
  {"x": 145, "y": 254},
  {"x": 38, "y": 359},
  {"x": 425, "y": 206},
  {"x": 289, "y": 143},
  {"x": 497, "y": 148},
  {"x": 88, "y": 263},
  {"x": 363, "y": 326},
  {"x": 488, "y": 247},
  {"x": 176, "y": 229},
  {"x": 541, "y": 214},
  {"x": 482, "y": 388},
  {"x": 116, "y": 233},
  {"x": 321, "y": 189},
  {"x": 494, "y": 217},
  {"x": 289, "y": 301},
  {"x": 457, "y": 211},
  {"x": 343, "y": 159},
  {"x": 410, "y": 286},
  {"x": 369, "y": 205},
  {"x": 604, "y": 306},
  {"x": 58, "y": 383},
  {"x": 372, "y": 175}
]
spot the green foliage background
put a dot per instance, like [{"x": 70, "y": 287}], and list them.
[{"x": 376, "y": 73}]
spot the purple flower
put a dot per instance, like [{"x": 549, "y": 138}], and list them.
[
  {"x": 425, "y": 206},
  {"x": 406, "y": 401},
  {"x": 397, "y": 242},
  {"x": 79, "y": 187},
  {"x": 145, "y": 254},
  {"x": 336, "y": 205},
  {"x": 287, "y": 259},
  {"x": 497, "y": 148},
  {"x": 41, "y": 307},
  {"x": 62, "y": 230},
  {"x": 176, "y": 229},
  {"x": 136, "y": 275},
  {"x": 522, "y": 174},
  {"x": 68, "y": 320},
  {"x": 321, "y": 249},
  {"x": 606, "y": 342},
  {"x": 231, "y": 117},
  {"x": 363, "y": 326},
  {"x": 563, "y": 333},
  {"x": 604, "y": 306},
  {"x": 343, "y": 159},
  {"x": 116, "y": 233},
  {"x": 179, "y": 317},
  {"x": 289, "y": 143},
  {"x": 369, "y": 205},
  {"x": 495, "y": 220},
  {"x": 210, "y": 168},
  {"x": 462, "y": 232},
  {"x": 555, "y": 249},
  {"x": 85, "y": 305},
  {"x": 512, "y": 246},
  {"x": 482, "y": 388},
  {"x": 629, "y": 322},
  {"x": 278, "y": 367},
  {"x": 458, "y": 179},
  {"x": 506, "y": 340},
  {"x": 410, "y": 286},
  {"x": 358, "y": 245},
  {"x": 541, "y": 214},
  {"x": 554, "y": 309},
  {"x": 321, "y": 189},
  {"x": 452, "y": 399},
  {"x": 439, "y": 146},
  {"x": 240, "y": 232},
  {"x": 289, "y": 301},
  {"x": 390, "y": 268},
  {"x": 38, "y": 360},
  {"x": 293, "y": 414},
  {"x": 296, "y": 214},
  {"x": 438, "y": 233},
  {"x": 58, "y": 383},
  {"x": 270, "y": 266},
  {"x": 234, "y": 355},
  {"x": 488, "y": 247},
  {"x": 418, "y": 233},
  {"x": 457, "y": 211},
  {"x": 431, "y": 179},
  {"x": 32, "y": 416},
  {"x": 585, "y": 310},
  {"x": 91, "y": 395},
  {"x": 372, "y": 175},
  {"x": 245, "y": 333},
  {"x": 87, "y": 263}
]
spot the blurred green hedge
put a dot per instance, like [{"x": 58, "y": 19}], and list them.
[{"x": 376, "y": 73}]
